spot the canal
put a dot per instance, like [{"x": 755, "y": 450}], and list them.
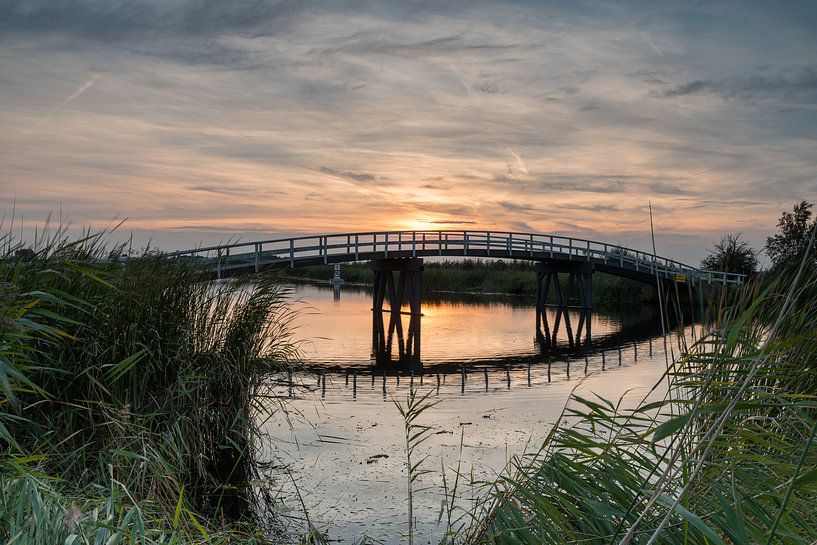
[{"x": 336, "y": 441}]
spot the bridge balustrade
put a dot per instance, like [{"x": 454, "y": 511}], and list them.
[{"x": 344, "y": 247}]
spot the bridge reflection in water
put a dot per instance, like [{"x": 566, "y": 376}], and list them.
[
  {"x": 392, "y": 354},
  {"x": 563, "y": 298},
  {"x": 548, "y": 364},
  {"x": 471, "y": 348}
]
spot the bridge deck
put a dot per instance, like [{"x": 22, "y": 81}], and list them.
[{"x": 237, "y": 258}]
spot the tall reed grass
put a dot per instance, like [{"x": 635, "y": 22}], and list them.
[
  {"x": 727, "y": 456},
  {"x": 129, "y": 396}
]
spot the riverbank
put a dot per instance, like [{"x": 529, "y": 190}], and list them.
[{"x": 488, "y": 277}]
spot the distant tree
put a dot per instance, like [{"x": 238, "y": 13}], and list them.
[
  {"x": 731, "y": 255},
  {"x": 789, "y": 244}
]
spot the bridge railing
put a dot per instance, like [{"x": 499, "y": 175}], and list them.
[{"x": 290, "y": 252}]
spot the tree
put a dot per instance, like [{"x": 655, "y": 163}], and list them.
[
  {"x": 789, "y": 245},
  {"x": 731, "y": 255}
]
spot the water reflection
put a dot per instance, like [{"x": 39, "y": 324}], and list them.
[
  {"x": 499, "y": 392},
  {"x": 459, "y": 332}
]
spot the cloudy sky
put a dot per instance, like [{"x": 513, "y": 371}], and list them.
[{"x": 209, "y": 120}]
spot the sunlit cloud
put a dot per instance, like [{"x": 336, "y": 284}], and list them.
[{"x": 203, "y": 121}]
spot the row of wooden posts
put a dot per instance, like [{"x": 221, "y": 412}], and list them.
[{"x": 441, "y": 378}]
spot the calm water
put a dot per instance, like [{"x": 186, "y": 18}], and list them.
[{"x": 340, "y": 434}]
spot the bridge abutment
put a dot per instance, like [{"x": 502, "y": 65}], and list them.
[
  {"x": 396, "y": 280},
  {"x": 549, "y": 286}
]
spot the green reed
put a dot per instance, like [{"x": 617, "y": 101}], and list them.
[
  {"x": 727, "y": 456},
  {"x": 131, "y": 396}
]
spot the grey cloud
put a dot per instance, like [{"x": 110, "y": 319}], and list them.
[
  {"x": 356, "y": 176},
  {"x": 113, "y": 20},
  {"x": 198, "y": 53},
  {"x": 516, "y": 207},
  {"x": 785, "y": 85},
  {"x": 452, "y": 222},
  {"x": 372, "y": 44},
  {"x": 589, "y": 207},
  {"x": 693, "y": 87},
  {"x": 732, "y": 202},
  {"x": 656, "y": 77},
  {"x": 488, "y": 88},
  {"x": 521, "y": 226},
  {"x": 569, "y": 227},
  {"x": 233, "y": 229},
  {"x": 232, "y": 190},
  {"x": 586, "y": 184},
  {"x": 184, "y": 31}
]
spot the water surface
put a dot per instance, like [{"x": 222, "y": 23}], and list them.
[{"x": 497, "y": 395}]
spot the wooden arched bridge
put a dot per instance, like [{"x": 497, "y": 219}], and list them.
[
  {"x": 564, "y": 272},
  {"x": 242, "y": 257}
]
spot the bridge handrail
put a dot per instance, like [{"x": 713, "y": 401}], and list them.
[{"x": 487, "y": 240}]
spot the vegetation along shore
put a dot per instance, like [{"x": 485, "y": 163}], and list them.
[
  {"x": 474, "y": 276},
  {"x": 132, "y": 394}
]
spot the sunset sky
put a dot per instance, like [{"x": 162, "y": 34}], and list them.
[{"x": 209, "y": 120}]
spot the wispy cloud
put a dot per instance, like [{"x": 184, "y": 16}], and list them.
[
  {"x": 93, "y": 78},
  {"x": 272, "y": 116},
  {"x": 356, "y": 176}
]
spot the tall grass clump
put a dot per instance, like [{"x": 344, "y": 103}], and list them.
[
  {"x": 129, "y": 396},
  {"x": 727, "y": 456}
]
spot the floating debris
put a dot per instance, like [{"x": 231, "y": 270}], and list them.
[{"x": 372, "y": 459}]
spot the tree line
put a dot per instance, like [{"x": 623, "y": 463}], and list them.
[{"x": 786, "y": 247}]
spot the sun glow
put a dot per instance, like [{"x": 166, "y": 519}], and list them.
[{"x": 416, "y": 225}]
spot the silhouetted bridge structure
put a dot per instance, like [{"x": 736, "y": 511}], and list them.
[{"x": 395, "y": 257}]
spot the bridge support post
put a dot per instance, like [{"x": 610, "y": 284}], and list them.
[
  {"x": 552, "y": 292},
  {"x": 396, "y": 280}
]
